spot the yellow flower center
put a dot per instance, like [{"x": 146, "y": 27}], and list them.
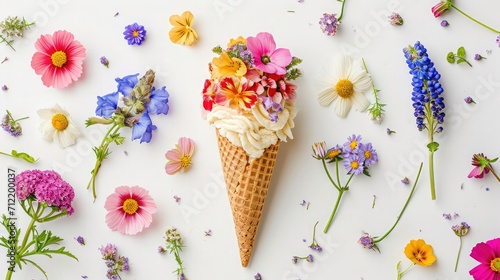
[
  {"x": 185, "y": 161},
  {"x": 333, "y": 153},
  {"x": 368, "y": 154},
  {"x": 265, "y": 59},
  {"x": 495, "y": 264},
  {"x": 353, "y": 144},
  {"x": 354, "y": 164},
  {"x": 345, "y": 88},
  {"x": 130, "y": 206},
  {"x": 135, "y": 33},
  {"x": 59, "y": 122},
  {"x": 59, "y": 59}
]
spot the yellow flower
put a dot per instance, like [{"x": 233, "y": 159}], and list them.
[
  {"x": 420, "y": 253},
  {"x": 239, "y": 40},
  {"x": 182, "y": 33},
  {"x": 226, "y": 66}
]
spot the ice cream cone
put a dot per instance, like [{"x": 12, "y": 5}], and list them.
[{"x": 247, "y": 183}]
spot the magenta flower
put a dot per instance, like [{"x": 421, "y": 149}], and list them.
[
  {"x": 482, "y": 166},
  {"x": 130, "y": 209},
  {"x": 180, "y": 158},
  {"x": 488, "y": 254},
  {"x": 267, "y": 57},
  {"x": 441, "y": 7}
]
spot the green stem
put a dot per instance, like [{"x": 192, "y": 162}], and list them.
[
  {"x": 400, "y": 274},
  {"x": 404, "y": 207},
  {"x": 328, "y": 174},
  {"x": 431, "y": 175},
  {"x": 458, "y": 254},
  {"x": 494, "y": 174},
  {"x": 341, "y": 11},
  {"x": 475, "y": 20},
  {"x": 339, "y": 197},
  {"x": 100, "y": 156}
]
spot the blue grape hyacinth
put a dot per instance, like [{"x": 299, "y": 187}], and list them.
[{"x": 428, "y": 102}]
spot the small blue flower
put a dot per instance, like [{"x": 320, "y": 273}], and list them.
[
  {"x": 158, "y": 103},
  {"x": 143, "y": 129},
  {"x": 352, "y": 145},
  {"x": 135, "y": 34},
  {"x": 353, "y": 164},
  {"x": 106, "y": 105},
  {"x": 127, "y": 83},
  {"x": 369, "y": 155}
]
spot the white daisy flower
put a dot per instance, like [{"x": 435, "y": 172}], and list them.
[
  {"x": 56, "y": 125},
  {"x": 346, "y": 85}
]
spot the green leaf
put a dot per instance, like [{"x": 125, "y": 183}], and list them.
[
  {"x": 461, "y": 52},
  {"x": 23, "y": 156},
  {"x": 433, "y": 146},
  {"x": 450, "y": 57},
  {"x": 461, "y": 60}
]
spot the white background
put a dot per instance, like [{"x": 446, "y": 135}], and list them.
[{"x": 468, "y": 129}]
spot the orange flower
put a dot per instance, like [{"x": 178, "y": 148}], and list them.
[
  {"x": 235, "y": 92},
  {"x": 420, "y": 253},
  {"x": 182, "y": 32},
  {"x": 226, "y": 66}
]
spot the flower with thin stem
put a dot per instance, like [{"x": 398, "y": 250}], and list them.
[
  {"x": 12, "y": 125},
  {"x": 329, "y": 23},
  {"x": 444, "y": 5},
  {"x": 314, "y": 245},
  {"x": 174, "y": 246},
  {"x": 419, "y": 253},
  {"x": 428, "y": 103},
  {"x": 371, "y": 242},
  {"x": 376, "y": 110},
  {"x": 460, "y": 230},
  {"x": 482, "y": 166}
]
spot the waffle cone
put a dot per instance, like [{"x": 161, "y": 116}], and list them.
[{"x": 247, "y": 183}]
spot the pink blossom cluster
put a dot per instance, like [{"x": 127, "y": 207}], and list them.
[{"x": 46, "y": 187}]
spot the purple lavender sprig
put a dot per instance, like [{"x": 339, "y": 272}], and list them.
[
  {"x": 114, "y": 263},
  {"x": 428, "y": 103}
]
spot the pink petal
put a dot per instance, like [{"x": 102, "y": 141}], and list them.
[
  {"x": 172, "y": 167},
  {"x": 482, "y": 253},
  {"x": 173, "y": 155},
  {"x": 186, "y": 146},
  {"x": 495, "y": 246},
  {"x": 483, "y": 272},
  {"x": 477, "y": 172},
  {"x": 266, "y": 41},
  {"x": 281, "y": 57}
]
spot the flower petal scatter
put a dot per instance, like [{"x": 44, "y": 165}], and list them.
[
  {"x": 130, "y": 209},
  {"x": 135, "y": 34},
  {"x": 179, "y": 159},
  {"x": 59, "y": 59},
  {"x": 56, "y": 125},
  {"x": 395, "y": 19},
  {"x": 488, "y": 255},
  {"x": 345, "y": 84},
  {"x": 183, "y": 32},
  {"x": 420, "y": 253}
]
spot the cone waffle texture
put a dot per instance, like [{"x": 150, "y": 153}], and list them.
[{"x": 247, "y": 183}]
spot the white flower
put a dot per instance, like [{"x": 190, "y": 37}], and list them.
[
  {"x": 346, "y": 84},
  {"x": 56, "y": 125}
]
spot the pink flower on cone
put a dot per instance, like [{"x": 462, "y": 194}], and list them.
[
  {"x": 180, "y": 158},
  {"x": 488, "y": 254},
  {"x": 58, "y": 59},
  {"x": 267, "y": 57},
  {"x": 130, "y": 209}
]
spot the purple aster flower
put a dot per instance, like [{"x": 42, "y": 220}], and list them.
[
  {"x": 127, "y": 83},
  {"x": 478, "y": 57},
  {"x": 444, "y": 23},
  {"x": 366, "y": 241},
  {"x": 335, "y": 153},
  {"x": 352, "y": 145},
  {"x": 395, "y": 19},
  {"x": 104, "y": 61},
  {"x": 369, "y": 155},
  {"x": 257, "y": 276},
  {"x": 158, "y": 103},
  {"x": 134, "y": 34},
  {"x": 353, "y": 164},
  {"x": 329, "y": 24},
  {"x": 143, "y": 129},
  {"x": 107, "y": 105},
  {"x": 4, "y": 88}
]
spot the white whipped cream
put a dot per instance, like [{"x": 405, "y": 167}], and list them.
[{"x": 253, "y": 130}]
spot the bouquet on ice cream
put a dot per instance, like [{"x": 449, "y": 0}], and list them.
[{"x": 249, "y": 99}]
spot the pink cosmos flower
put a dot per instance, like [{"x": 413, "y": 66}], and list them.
[
  {"x": 180, "y": 157},
  {"x": 266, "y": 57},
  {"x": 58, "y": 59},
  {"x": 488, "y": 254},
  {"x": 130, "y": 209}
]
